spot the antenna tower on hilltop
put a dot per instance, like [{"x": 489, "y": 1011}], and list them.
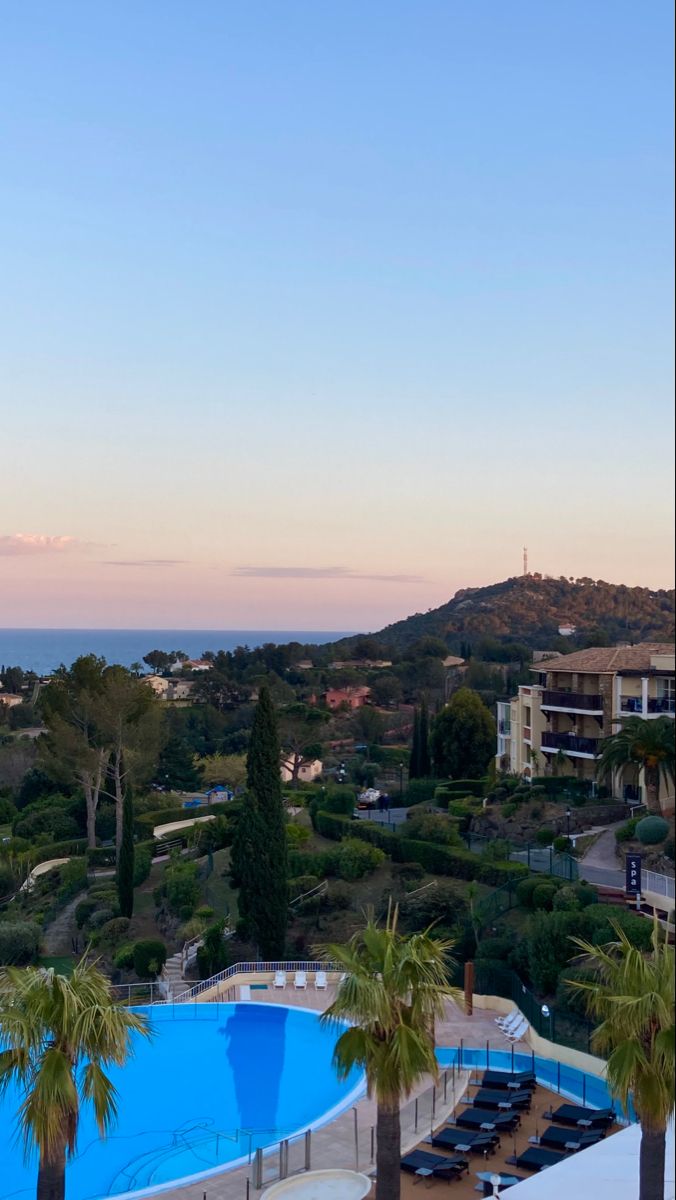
[{"x": 525, "y": 560}]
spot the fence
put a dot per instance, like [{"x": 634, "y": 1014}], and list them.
[
  {"x": 251, "y": 968},
  {"x": 536, "y": 858},
  {"x": 662, "y": 885},
  {"x": 555, "y": 1023}
]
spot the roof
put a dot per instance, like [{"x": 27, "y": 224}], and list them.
[
  {"x": 608, "y": 1169},
  {"x": 452, "y": 660},
  {"x": 606, "y": 660}
]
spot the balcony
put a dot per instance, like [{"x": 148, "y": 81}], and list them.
[
  {"x": 579, "y": 702},
  {"x": 504, "y": 728},
  {"x": 570, "y": 744},
  {"x": 661, "y": 705}
]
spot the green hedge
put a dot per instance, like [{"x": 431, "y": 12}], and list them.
[
  {"x": 69, "y": 849},
  {"x": 105, "y": 856},
  {"x": 438, "y": 860},
  {"x": 144, "y": 823}
]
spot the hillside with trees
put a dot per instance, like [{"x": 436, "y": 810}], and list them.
[{"x": 529, "y": 609}]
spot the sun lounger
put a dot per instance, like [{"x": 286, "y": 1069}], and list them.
[
  {"x": 506, "y": 1181},
  {"x": 584, "y": 1118},
  {"x": 300, "y": 981},
  {"x": 487, "y": 1119},
  {"x": 514, "y": 1080},
  {"x": 280, "y": 979},
  {"x": 422, "y": 1159},
  {"x": 570, "y": 1139},
  {"x": 535, "y": 1159},
  {"x": 487, "y": 1098},
  {"x": 517, "y": 1031},
  {"x": 451, "y": 1138},
  {"x": 511, "y": 1019},
  {"x": 320, "y": 981}
]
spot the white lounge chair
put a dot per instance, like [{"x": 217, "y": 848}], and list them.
[
  {"x": 300, "y": 981},
  {"x": 517, "y": 1031},
  {"x": 320, "y": 981},
  {"x": 280, "y": 979},
  {"x": 513, "y": 1021},
  {"x": 510, "y": 1019}
]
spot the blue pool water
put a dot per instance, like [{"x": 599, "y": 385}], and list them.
[{"x": 215, "y": 1081}]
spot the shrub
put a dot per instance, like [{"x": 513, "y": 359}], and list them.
[
  {"x": 543, "y": 896},
  {"x": 114, "y": 930},
  {"x": 205, "y": 912},
  {"x": 668, "y": 848},
  {"x": 508, "y": 810},
  {"x": 84, "y": 911},
  {"x": 355, "y": 859},
  {"x": 19, "y": 943},
  {"x": 149, "y": 956},
  {"x": 68, "y": 849},
  {"x": 143, "y": 861},
  {"x": 8, "y": 881},
  {"x": 73, "y": 878},
  {"x": 652, "y": 830},
  {"x": 338, "y": 897},
  {"x": 100, "y": 917},
  {"x": 544, "y": 836},
  {"x": 463, "y": 811},
  {"x": 181, "y": 887},
  {"x": 420, "y": 791},
  {"x": 586, "y": 893},
  {"x": 627, "y": 832},
  {"x": 297, "y": 835},
  {"x": 496, "y": 850},
  {"x": 431, "y": 827},
  {"x": 408, "y": 872},
  {"x": 324, "y": 864},
  {"x": 525, "y": 889},
  {"x": 58, "y": 824},
  {"x": 212, "y": 955},
  {"x": 566, "y": 899},
  {"x": 101, "y": 856},
  {"x": 562, "y": 845},
  {"x": 124, "y": 957},
  {"x": 302, "y": 884}
]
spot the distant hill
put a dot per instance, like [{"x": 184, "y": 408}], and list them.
[{"x": 530, "y": 609}]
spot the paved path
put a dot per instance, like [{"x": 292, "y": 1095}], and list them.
[
  {"x": 600, "y": 864},
  {"x": 58, "y": 937}
]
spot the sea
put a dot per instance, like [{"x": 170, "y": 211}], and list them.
[{"x": 43, "y": 650}]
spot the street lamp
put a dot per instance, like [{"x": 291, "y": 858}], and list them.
[
  {"x": 401, "y": 782},
  {"x": 568, "y": 823},
  {"x": 546, "y": 1012}
]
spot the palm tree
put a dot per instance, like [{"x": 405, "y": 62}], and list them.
[
  {"x": 59, "y": 1034},
  {"x": 642, "y": 744},
  {"x": 392, "y": 990},
  {"x": 633, "y": 996}
]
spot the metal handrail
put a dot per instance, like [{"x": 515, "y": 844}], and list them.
[
  {"x": 318, "y": 890},
  {"x": 251, "y": 968}
]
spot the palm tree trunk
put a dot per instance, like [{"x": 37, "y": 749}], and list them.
[
  {"x": 652, "y": 787},
  {"x": 388, "y": 1171},
  {"x": 52, "y": 1177},
  {"x": 651, "y": 1168}
]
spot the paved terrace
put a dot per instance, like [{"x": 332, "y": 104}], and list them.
[{"x": 334, "y": 1144}]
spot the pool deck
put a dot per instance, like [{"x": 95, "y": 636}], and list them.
[{"x": 334, "y": 1144}]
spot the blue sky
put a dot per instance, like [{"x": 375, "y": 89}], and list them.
[{"x": 365, "y": 291}]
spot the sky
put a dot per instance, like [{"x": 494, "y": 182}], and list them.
[{"x": 313, "y": 313}]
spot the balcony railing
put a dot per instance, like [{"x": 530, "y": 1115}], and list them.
[
  {"x": 578, "y": 701},
  {"x": 505, "y": 728},
  {"x": 662, "y": 704},
  {"x": 632, "y": 705},
  {"x": 570, "y": 743}
]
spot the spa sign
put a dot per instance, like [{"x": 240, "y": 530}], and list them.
[{"x": 633, "y": 878}]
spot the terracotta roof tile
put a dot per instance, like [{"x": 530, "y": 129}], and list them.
[{"x": 606, "y": 660}]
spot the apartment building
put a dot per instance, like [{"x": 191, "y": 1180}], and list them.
[{"x": 556, "y": 724}]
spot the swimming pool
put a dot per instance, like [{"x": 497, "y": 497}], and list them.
[{"x": 215, "y": 1082}]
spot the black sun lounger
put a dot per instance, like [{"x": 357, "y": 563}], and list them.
[
  {"x": 535, "y": 1158},
  {"x": 584, "y": 1118},
  {"x": 450, "y": 1138},
  {"x": 487, "y": 1118},
  {"x": 418, "y": 1159},
  {"x": 570, "y": 1139},
  {"x": 487, "y": 1098},
  {"x": 509, "y": 1080}
]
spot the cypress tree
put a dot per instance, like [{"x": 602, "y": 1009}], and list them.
[
  {"x": 414, "y": 757},
  {"x": 259, "y": 849},
  {"x": 125, "y": 860},
  {"x": 424, "y": 763}
]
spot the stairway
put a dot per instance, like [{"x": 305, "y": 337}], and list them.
[{"x": 172, "y": 975}]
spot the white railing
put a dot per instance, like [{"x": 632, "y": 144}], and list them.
[
  {"x": 315, "y": 891},
  {"x": 249, "y": 968},
  {"x": 662, "y": 885},
  {"x": 190, "y": 948}
]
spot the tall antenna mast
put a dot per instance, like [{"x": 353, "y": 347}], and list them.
[{"x": 525, "y": 560}]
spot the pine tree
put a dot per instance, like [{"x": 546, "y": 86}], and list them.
[
  {"x": 414, "y": 757},
  {"x": 125, "y": 861},
  {"x": 259, "y": 848},
  {"x": 424, "y": 761}
]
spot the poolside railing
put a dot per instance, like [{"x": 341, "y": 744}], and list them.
[{"x": 252, "y": 968}]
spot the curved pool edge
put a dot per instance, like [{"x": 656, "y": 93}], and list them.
[{"x": 332, "y": 1114}]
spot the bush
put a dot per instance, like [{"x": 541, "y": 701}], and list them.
[
  {"x": 652, "y": 830},
  {"x": 73, "y": 878},
  {"x": 181, "y": 887},
  {"x": 143, "y": 861},
  {"x": 58, "y": 824},
  {"x": 324, "y": 864},
  {"x": 543, "y": 896},
  {"x": 525, "y": 889},
  {"x": 420, "y": 791},
  {"x": 544, "y": 836},
  {"x": 101, "y": 856},
  {"x": 149, "y": 956},
  {"x": 124, "y": 957},
  {"x": 432, "y": 827},
  {"x": 19, "y": 943},
  {"x": 212, "y": 955},
  {"x": 114, "y": 930},
  {"x": 302, "y": 884},
  {"x": 355, "y": 859},
  {"x": 8, "y": 880},
  {"x": 562, "y": 845},
  {"x": 508, "y": 810},
  {"x": 338, "y": 897},
  {"x": 627, "y": 832},
  {"x": 566, "y": 899},
  {"x": 69, "y": 849},
  {"x": 297, "y": 835},
  {"x": 100, "y": 917},
  {"x": 408, "y": 872},
  {"x": 84, "y": 911}
]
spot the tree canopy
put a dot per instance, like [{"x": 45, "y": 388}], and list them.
[{"x": 463, "y": 737}]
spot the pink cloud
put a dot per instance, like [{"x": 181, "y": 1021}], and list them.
[{"x": 14, "y": 544}]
